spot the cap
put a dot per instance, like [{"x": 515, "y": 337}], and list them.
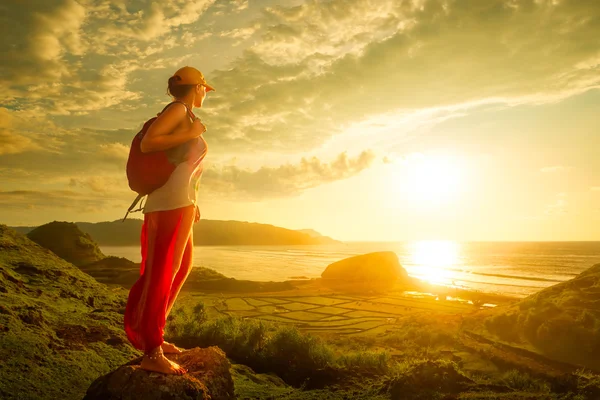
[{"x": 191, "y": 76}]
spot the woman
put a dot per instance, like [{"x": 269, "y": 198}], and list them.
[{"x": 169, "y": 214}]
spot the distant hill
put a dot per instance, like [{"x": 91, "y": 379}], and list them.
[
  {"x": 67, "y": 241},
  {"x": 121, "y": 271},
  {"x": 206, "y": 232},
  {"x": 311, "y": 233}
]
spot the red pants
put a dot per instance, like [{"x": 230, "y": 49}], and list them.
[{"x": 167, "y": 243}]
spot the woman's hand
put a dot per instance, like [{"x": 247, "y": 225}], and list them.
[
  {"x": 166, "y": 131},
  {"x": 197, "y": 214},
  {"x": 198, "y": 128}
]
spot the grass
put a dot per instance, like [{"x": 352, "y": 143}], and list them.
[
  {"x": 421, "y": 337},
  {"x": 322, "y": 301},
  {"x": 370, "y": 361},
  {"x": 55, "y": 322},
  {"x": 522, "y": 381},
  {"x": 424, "y": 379},
  {"x": 562, "y": 321},
  {"x": 298, "y": 357},
  {"x": 298, "y": 306},
  {"x": 237, "y": 304},
  {"x": 332, "y": 310},
  {"x": 304, "y": 316},
  {"x": 405, "y": 364},
  {"x": 257, "y": 302}
]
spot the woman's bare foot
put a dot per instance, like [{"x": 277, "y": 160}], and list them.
[
  {"x": 156, "y": 361},
  {"x": 170, "y": 348}
]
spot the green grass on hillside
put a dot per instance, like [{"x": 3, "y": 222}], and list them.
[
  {"x": 409, "y": 363},
  {"x": 562, "y": 321},
  {"x": 59, "y": 328}
]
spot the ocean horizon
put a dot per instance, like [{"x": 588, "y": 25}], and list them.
[{"x": 511, "y": 268}]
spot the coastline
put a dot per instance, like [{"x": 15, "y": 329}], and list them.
[
  {"x": 498, "y": 269},
  {"x": 123, "y": 272}
]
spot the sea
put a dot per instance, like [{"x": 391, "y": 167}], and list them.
[{"x": 511, "y": 268}]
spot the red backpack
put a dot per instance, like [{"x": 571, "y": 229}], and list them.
[{"x": 146, "y": 172}]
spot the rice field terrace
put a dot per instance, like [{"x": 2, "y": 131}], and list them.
[{"x": 339, "y": 314}]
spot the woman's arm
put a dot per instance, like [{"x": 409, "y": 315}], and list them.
[{"x": 163, "y": 133}]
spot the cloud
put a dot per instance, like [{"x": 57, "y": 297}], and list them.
[
  {"x": 556, "y": 168},
  {"x": 332, "y": 29},
  {"x": 300, "y": 84},
  {"x": 285, "y": 180},
  {"x": 153, "y": 20},
  {"x": 239, "y": 34},
  {"x": 117, "y": 151},
  {"x": 65, "y": 56},
  {"x": 558, "y": 206},
  {"x": 17, "y": 133},
  {"x": 32, "y": 199},
  {"x": 15, "y": 175},
  {"x": 306, "y": 74},
  {"x": 311, "y": 68},
  {"x": 115, "y": 186},
  {"x": 11, "y": 142},
  {"x": 49, "y": 152},
  {"x": 34, "y": 43}
]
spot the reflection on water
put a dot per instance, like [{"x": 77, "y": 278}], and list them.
[
  {"x": 516, "y": 268},
  {"x": 433, "y": 260}
]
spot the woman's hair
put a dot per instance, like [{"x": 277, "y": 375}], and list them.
[{"x": 176, "y": 90}]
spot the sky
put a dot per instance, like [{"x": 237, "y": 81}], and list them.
[{"x": 366, "y": 120}]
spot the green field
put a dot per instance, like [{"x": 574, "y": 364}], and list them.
[{"x": 340, "y": 314}]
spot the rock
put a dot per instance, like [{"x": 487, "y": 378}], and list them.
[
  {"x": 208, "y": 377},
  {"x": 32, "y": 316},
  {"x": 67, "y": 241},
  {"x": 379, "y": 266}
]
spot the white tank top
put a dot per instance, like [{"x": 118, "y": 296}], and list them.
[{"x": 181, "y": 188}]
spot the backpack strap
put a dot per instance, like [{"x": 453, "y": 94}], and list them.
[
  {"x": 132, "y": 206},
  {"x": 190, "y": 112}
]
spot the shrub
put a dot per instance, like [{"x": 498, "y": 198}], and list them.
[
  {"x": 297, "y": 357},
  {"x": 416, "y": 339},
  {"x": 243, "y": 340},
  {"x": 504, "y": 326},
  {"x": 372, "y": 361},
  {"x": 296, "y": 353},
  {"x": 427, "y": 380},
  {"x": 523, "y": 381},
  {"x": 185, "y": 322},
  {"x": 421, "y": 335}
]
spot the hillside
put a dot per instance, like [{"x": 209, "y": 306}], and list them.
[
  {"x": 60, "y": 328},
  {"x": 562, "y": 321},
  {"x": 68, "y": 242},
  {"x": 206, "y": 232}
]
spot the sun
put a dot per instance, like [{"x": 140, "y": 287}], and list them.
[{"x": 432, "y": 180}]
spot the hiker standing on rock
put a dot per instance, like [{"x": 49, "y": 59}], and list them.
[{"x": 169, "y": 213}]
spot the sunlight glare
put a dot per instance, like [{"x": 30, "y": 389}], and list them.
[
  {"x": 432, "y": 180},
  {"x": 432, "y": 258}
]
